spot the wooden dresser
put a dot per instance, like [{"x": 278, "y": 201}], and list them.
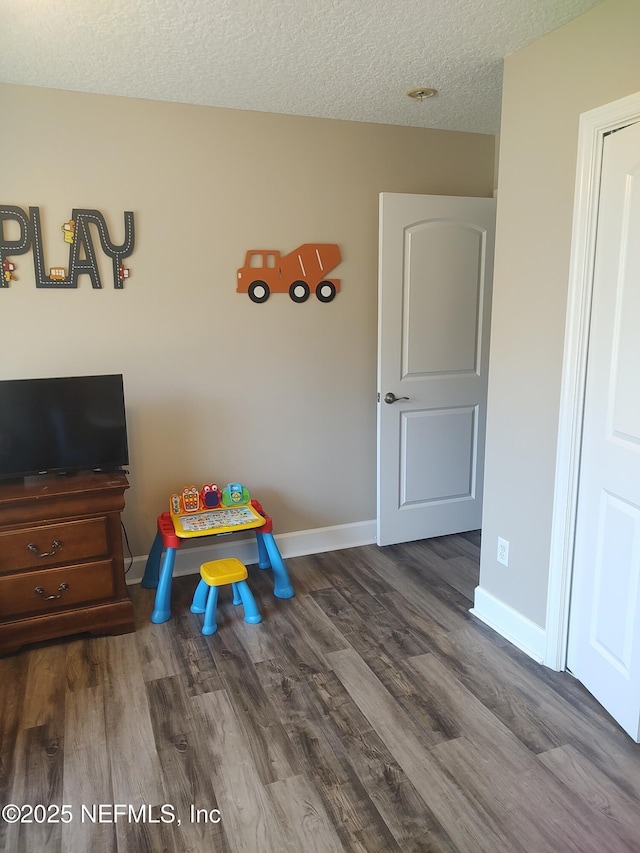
[{"x": 61, "y": 559}]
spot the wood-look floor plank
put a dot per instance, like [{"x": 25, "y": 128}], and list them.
[
  {"x": 524, "y": 791},
  {"x": 87, "y": 777},
  {"x": 442, "y": 547},
  {"x": 13, "y": 677},
  {"x": 432, "y": 723},
  {"x": 37, "y": 779},
  {"x": 341, "y": 612},
  {"x": 270, "y": 748},
  {"x": 305, "y": 824},
  {"x": 409, "y": 619},
  {"x": 509, "y": 801},
  {"x": 359, "y": 825},
  {"x": 358, "y": 746},
  {"x": 474, "y": 537},
  {"x": 261, "y": 641},
  {"x": 310, "y": 622},
  {"x": 353, "y": 572},
  {"x": 379, "y": 640},
  {"x": 305, "y": 573},
  {"x": 372, "y": 622},
  {"x": 194, "y": 654},
  {"x": 45, "y": 688},
  {"x": 39, "y": 746},
  {"x": 297, "y": 637},
  {"x": 181, "y": 741},
  {"x": 474, "y": 720},
  {"x": 586, "y": 725},
  {"x": 544, "y": 709},
  {"x": 472, "y": 828},
  {"x": 460, "y": 575},
  {"x": 133, "y": 759},
  {"x": 157, "y": 651},
  {"x": 83, "y": 662},
  {"x": 619, "y": 813},
  {"x": 397, "y": 629},
  {"x": 245, "y": 807},
  {"x": 292, "y": 646},
  {"x": 443, "y": 608}
]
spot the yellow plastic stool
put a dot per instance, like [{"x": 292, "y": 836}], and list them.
[{"x": 216, "y": 573}]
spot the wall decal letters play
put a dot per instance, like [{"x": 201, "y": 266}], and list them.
[
  {"x": 77, "y": 233},
  {"x": 299, "y": 273}
]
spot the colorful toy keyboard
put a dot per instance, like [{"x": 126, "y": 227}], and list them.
[{"x": 227, "y": 520}]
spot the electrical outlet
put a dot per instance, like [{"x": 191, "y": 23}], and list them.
[{"x": 503, "y": 551}]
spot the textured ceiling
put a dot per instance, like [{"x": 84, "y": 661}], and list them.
[{"x": 344, "y": 59}]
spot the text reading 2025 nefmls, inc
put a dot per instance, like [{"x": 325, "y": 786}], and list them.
[{"x": 106, "y": 813}]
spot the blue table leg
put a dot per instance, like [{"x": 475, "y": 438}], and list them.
[
  {"x": 162, "y": 609},
  {"x": 281, "y": 584},
  {"x": 263, "y": 557},
  {"x": 152, "y": 568}
]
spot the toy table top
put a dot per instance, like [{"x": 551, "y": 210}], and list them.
[{"x": 212, "y": 521}]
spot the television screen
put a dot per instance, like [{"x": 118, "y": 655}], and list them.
[{"x": 62, "y": 425}]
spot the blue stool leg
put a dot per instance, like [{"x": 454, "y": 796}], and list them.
[
  {"x": 200, "y": 597},
  {"x": 251, "y": 612},
  {"x": 263, "y": 557},
  {"x": 237, "y": 598},
  {"x": 152, "y": 568},
  {"x": 162, "y": 607},
  {"x": 209, "y": 626},
  {"x": 281, "y": 584}
]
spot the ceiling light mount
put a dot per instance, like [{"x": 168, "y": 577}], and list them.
[{"x": 421, "y": 93}]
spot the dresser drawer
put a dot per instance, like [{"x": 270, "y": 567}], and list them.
[
  {"x": 52, "y": 544},
  {"x": 52, "y": 589}
]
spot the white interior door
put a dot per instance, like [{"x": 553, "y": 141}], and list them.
[
  {"x": 604, "y": 625},
  {"x": 435, "y": 275}
]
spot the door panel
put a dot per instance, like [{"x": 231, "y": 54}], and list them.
[
  {"x": 436, "y": 267},
  {"x": 434, "y": 464},
  {"x": 618, "y": 537},
  {"x": 440, "y": 322},
  {"x": 604, "y": 629}
]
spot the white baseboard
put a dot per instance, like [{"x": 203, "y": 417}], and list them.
[
  {"x": 513, "y": 626},
  {"x": 298, "y": 544}
]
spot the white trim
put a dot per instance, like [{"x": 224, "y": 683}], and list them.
[
  {"x": 509, "y": 623},
  {"x": 594, "y": 126},
  {"x": 298, "y": 544}
]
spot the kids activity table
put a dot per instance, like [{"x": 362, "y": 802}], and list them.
[{"x": 174, "y": 529}]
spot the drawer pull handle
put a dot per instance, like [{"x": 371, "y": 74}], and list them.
[
  {"x": 61, "y": 589},
  {"x": 54, "y": 547}
]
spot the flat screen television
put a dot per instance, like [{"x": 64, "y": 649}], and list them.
[{"x": 62, "y": 425}]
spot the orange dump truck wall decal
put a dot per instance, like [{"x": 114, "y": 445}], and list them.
[{"x": 299, "y": 273}]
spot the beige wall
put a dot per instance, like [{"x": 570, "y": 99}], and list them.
[
  {"x": 590, "y": 62},
  {"x": 280, "y": 396}
]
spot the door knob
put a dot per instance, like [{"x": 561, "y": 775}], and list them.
[{"x": 390, "y": 397}]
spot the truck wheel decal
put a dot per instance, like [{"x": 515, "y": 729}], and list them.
[
  {"x": 299, "y": 291},
  {"x": 258, "y": 291},
  {"x": 325, "y": 291}
]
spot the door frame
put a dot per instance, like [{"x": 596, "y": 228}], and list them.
[{"x": 593, "y": 128}]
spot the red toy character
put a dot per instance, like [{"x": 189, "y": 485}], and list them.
[{"x": 210, "y": 495}]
